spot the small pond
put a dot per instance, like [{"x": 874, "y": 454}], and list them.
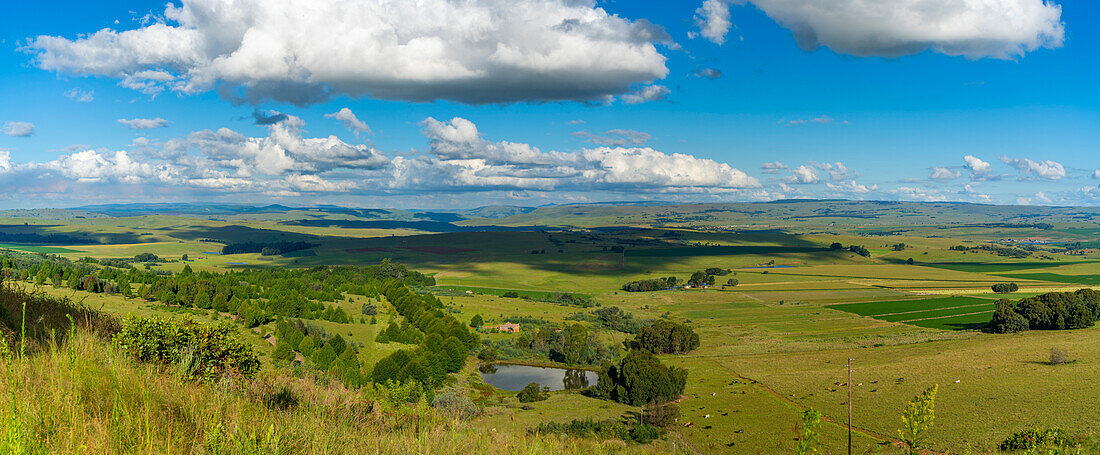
[{"x": 516, "y": 377}]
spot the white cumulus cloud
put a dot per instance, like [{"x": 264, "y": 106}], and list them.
[
  {"x": 942, "y": 173},
  {"x": 350, "y": 121},
  {"x": 804, "y": 175},
  {"x": 1003, "y": 29},
  {"x": 713, "y": 20},
  {"x": 303, "y": 52},
  {"x": 1047, "y": 169},
  {"x": 144, "y": 123},
  {"x": 977, "y": 166},
  {"x": 647, "y": 94}
]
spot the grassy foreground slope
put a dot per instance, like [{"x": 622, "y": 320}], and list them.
[{"x": 69, "y": 390}]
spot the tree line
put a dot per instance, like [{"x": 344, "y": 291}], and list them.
[{"x": 1051, "y": 311}]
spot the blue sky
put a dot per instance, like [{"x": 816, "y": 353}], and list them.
[{"x": 844, "y": 104}]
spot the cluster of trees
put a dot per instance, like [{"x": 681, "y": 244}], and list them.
[
  {"x": 266, "y": 249},
  {"x": 328, "y": 353},
  {"x": 1051, "y": 311},
  {"x": 717, "y": 271},
  {"x": 1004, "y": 251},
  {"x": 899, "y": 247},
  {"x": 255, "y": 295},
  {"x": 404, "y": 334},
  {"x": 701, "y": 279},
  {"x": 639, "y": 379},
  {"x": 565, "y": 298},
  {"x": 857, "y": 249},
  {"x": 656, "y": 284},
  {"x": 574, "y": 345},
  {"x": 443, "y": 349},
  {"x": 613, "y": 318},
  {"x": 1005, "y": 288},
  {"x": 665, "y": 337}
]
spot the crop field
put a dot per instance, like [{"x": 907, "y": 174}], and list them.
[
  {"x": 951, "y": 313},
  {"x": 1090, "y": 280}
]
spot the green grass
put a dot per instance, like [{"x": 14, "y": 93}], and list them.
[
  {"x": 722, "y": 251},
  {"x": 996, "y": 268},
  {"x": 947, "y": 313},
  {"x": 1091, "y": 280},
  {"x": 907, "y": 306},
  {"x": 37, "y": 249},
  {"x": 537, "y": 295}
]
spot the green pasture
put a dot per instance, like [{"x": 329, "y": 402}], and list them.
[
  {"x": 36, "y": 249},
  {"x": 1090, "y": 280}
]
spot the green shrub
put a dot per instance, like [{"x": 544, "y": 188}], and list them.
[
  {"x": 1031, "y": 440},
  {"x": 666, "y": 337},
  {"x": 455, "y": 403},
  {"x": 639, "y": 379},
  {"x": 643, "y": 434},
  {"x": 532, "y": 392},
  {"x": 200, "y": 350}
]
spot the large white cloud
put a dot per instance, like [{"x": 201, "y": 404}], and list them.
[
  {"x": 459, "y": 157},
  {"x": 283, "y": 150},
  {"x": 1046, "y": 169},
  {"x": 649, "y": 167},
  {"x": 306, "y": 51},
  {"x": 93, "y": 166},
  {"x": 974, "y": 29}
]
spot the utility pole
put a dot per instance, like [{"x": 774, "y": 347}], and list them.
[{"x": 849, "y": 365}]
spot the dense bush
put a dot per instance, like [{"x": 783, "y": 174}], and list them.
[
  {"x": 612, "y": 318},
  {"x": 208, "y": 351},
  {"x": 658, "y": 284},
  {"x": 1006, "y": 320},
  {"x": 532, "y": 393},
  {"x": 999, "y": 250},
  {"x": 454, "y": 402},
  {"x": 701, "y": 279},
  {"x": 1051, "y": 311},
  {"x": 1005, "y": 288},
  {"x": 639, "y": 379},
  {"x": 1033, "y": 440},
  {"x": 666, "y": 337}
]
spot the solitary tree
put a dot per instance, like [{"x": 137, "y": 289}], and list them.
[
  {"x": 476, "y": 321},
  {"x": 917, "y": 419},
  {"x": 807, "y": 434}
]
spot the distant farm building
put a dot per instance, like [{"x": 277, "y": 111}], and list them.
[{"x": 508, "y": 327}]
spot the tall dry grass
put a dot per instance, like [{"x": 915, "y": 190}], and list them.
[{"x": 76, "y": 394}]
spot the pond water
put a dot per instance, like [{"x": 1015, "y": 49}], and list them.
[{"x": 516, "y": 377}]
